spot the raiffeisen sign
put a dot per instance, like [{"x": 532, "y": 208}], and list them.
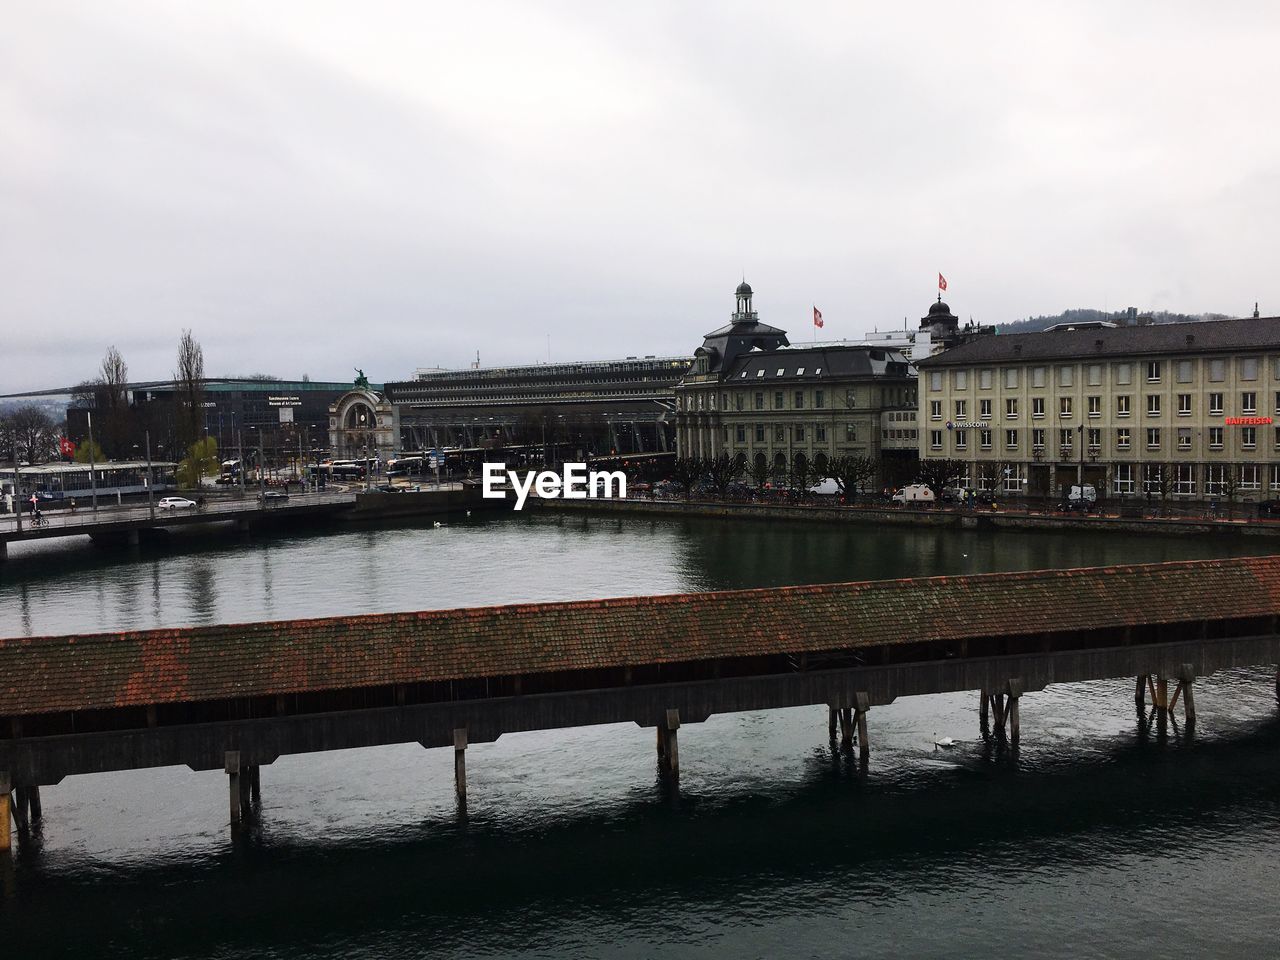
[{"x": 575, "y": 483}]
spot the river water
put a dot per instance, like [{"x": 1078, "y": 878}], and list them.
[{"x": 1101, "y": 837}]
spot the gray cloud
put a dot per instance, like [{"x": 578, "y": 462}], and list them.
[{"x": 311, "y": 186}]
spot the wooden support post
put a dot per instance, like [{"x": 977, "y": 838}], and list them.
[
  {"x": 1162, "y": 694},
  {"x": 1187, "y": 677},
  {"x": 37, "y": 810},
  {"x": 997, "y": 708},
  {"x": 1177, "y": 692},
  {"x": 1015, "y": 728},
  {"x": 255, "y": 784},
  {"x": 20, "y": 809},
  {"x": 831, "y": 723},
  {"x": 1140, "y": 691},
  {"x": 460, "y": 762},
  {"x": 662, "y": 741},
  {"x": 1151, "y": 689},
  {"x": 984, "y": 715},
  {"x": 846, "y": 728},
  {"x": 672, "y": 721},
  {"x": 862, "y": 703},
  {"x": 231, "y": 764},
  {"x": 6, "y": 838}
]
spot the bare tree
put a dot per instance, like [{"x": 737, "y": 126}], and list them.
[
  {"x": 723, "y": 470},
  {"x": 761, "y": 471},
  {"x": 940, "y": 473},
  {"x": 113, "y": 378},
  {"x": 188, "y": 383},
  {"x": 30, "y": 433},
  {"x": 850, "y": 473}
]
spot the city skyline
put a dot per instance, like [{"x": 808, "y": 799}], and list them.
[{"x": 401, "y": 187}]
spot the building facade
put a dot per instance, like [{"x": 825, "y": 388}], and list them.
[
  {"x": 750, "y": 392},
  {"x": 1180, "y": 410}
]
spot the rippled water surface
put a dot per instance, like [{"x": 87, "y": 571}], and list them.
[{"x": 1103, "y": 837}]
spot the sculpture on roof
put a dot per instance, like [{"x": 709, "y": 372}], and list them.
[{"x": 362, "y": 382}]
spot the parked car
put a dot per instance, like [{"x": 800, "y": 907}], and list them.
[
  {"x": 176, "y": 503},
  {"x": 1269, "y": 508},
  {"x": 1080, "y": 499},
  {"x": 274, "y": 496}
]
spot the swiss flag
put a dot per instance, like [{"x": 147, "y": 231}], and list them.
[
  {"x": 817, "y": 317},
  {"x": 66, "y": 447},
  {"x": 942, "y": 282}
]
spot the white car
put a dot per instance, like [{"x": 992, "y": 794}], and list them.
[{"x": 176, "y": 503}]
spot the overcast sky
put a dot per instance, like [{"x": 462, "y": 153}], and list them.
[{"x": 316, "y": 186}]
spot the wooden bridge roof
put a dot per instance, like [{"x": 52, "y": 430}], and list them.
[{"x": 206, "y": 663}]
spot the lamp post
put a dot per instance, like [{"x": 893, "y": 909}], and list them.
[
  {"x": 151, "y": 500},
  {"x": 1080, "y": 464}
]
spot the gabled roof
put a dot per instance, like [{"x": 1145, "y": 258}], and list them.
[
  {"x": 1210, "y": 336},
  {"x": 235, "y": 661},
  {"x": 828, "y": 362}
]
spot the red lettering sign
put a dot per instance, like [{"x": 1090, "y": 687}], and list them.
[{"x": 1248, "y": 421}]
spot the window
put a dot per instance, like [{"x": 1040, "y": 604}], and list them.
[
  {"x": 985, "y": 378},
  {"x": 1013, "y": 479},
  {"x": 1122, "y": 406},
  {"x": 740, "y": 433},
  {"x": 1278, "y": 401},
  {"x": 778, "y": 400},
  {"x": 1064, "y": 407},
  {"x": 799, "y": 434},
  {"x": 759, "y": 433},
  {"x": 1124, "y": 478},
  {"x": 779, "y": 435},
  {"x": 935, "y": 380},
  {"x": 1011, "y": 409},
  {"x": 799, "y": 371},
  {"x": 1011, "y": 378},
  {"x": 1037, "y": 407},
  {"x": 851, "y": 432},
  {"x": 1152, "y": 475},
  {"x": 1095, "y": 438},
  {"x": 962, "y": 439},
  {"x": 1124, "y": 374},
  {"x": 1248, "y": 402},
  {"x": 1094, "y": 374},
  {"x": 1066, "y": 438},
  {"x": 1215, "y": 477},
  {"x": 1153, "y": 371},
  {"x": 760, "y": 373},
  {"x": 1215, "y": 438},
  {"x": 820, "y": 433},
  {"x": 984, "y": 439},
  {"x": 1185, "y": 370},
  {"x": 799, "y": 404},
  {"x": 1011, "y": 439},
  {"x": 1153, "y": 404},
  {"x": 1275, "y": 476},
  {"x": 935, "y": 409},
  {"x": 759, "y": 400},
  {"x": 935, "y": 439},
  {"x": 1122, "y": 438},
  {"x": 1184, "y": 480},
  {"x": 780, "y": 372},
  {"x": 1153, "y": 438},
  {"x": 984, "y": 409},
  {"x": 1037, "y": 376},
  {"x": 1095, "y": 406},
  {"x": 737, "y": 401},
  {"x": 1065, "y": 376},
  {"x": 1184, "y": 404},
  {"x": 851, "y": 399},
  {"x": 1037, "y": 438},
  {"x": 1184, "y": 438},
  {"x": 1215, "y": 404},
  {"x": 962, "y": 409},
  {"x": 962, "y": 379},
  {"x": 1249, "y": 368},
  {"x": 819, "y": 401},
  {"x": 1250, "y": 477},
  {"x": 1249, "y": 437},
  {"x": 1217, "y": 371}
]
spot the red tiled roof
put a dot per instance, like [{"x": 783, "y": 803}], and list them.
[{"x": 53, "y": 674}]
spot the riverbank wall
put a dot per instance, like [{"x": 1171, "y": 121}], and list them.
[{"x": 924, "y": 517}]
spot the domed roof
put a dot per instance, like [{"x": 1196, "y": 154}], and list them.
[
  {"x": 744, "y": 289},
  {"x": 939, "y": 309}
]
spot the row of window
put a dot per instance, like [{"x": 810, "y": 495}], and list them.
[
  {"x": 1066, "y": 406},
  {"x": 799, "y": 433},
  {"x": 1123, "y": 438},
  {"x": 1183, "y": 479},
  {"x": 1122, "y": 373},
  {"x": 777, "y": 399}
]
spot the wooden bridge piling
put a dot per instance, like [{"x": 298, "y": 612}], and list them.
[
  {"x": 6, "y": 836},
  {"x": 236, "y": 792},
  {"x": 460, "y": 763}
]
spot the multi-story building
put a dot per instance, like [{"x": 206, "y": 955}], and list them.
[
  {"x": 588, "y": 408},
  {"x": 750, "y": 392},
  {"x": 1179, "y": 409}
]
